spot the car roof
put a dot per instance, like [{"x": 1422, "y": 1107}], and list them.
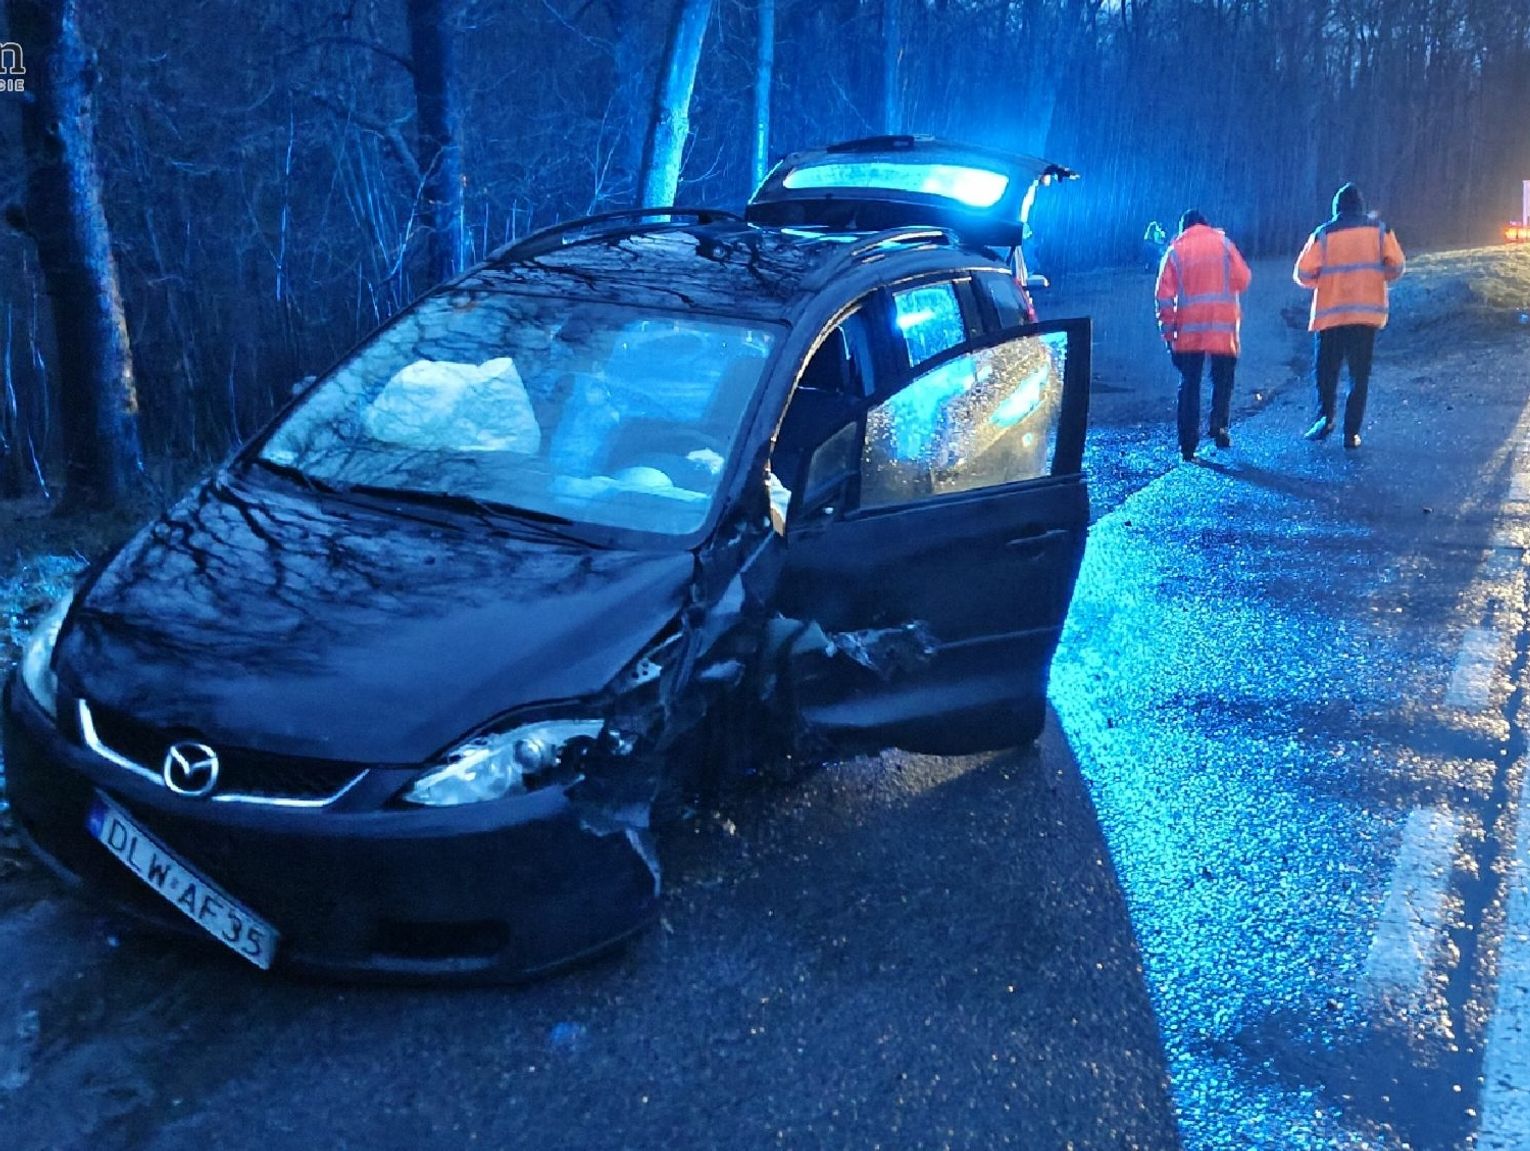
[
  {"x": 860, "y": 200},
  {"x": 704, "y": 262}
]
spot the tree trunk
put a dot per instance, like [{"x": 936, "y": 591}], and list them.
[
  {"x": 66, "y": 220},
  {"x": 628, "y": 107},
  {"x": 764, "y": 72},
  {"x": 434, "y": 64},
  {"x": 892, "y": 52},
  {"x": 670, "y": 121}
]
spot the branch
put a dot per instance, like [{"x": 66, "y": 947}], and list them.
[
  {"x": 382, "y": 50},
  {"x": 388, "y": 131}
]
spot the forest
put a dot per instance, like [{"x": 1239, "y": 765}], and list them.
[{"x": 208, "y": 200}]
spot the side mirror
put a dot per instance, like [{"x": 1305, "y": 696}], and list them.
[{"x": 301, "y": 386}]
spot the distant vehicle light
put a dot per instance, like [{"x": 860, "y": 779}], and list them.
[
  {"x": 975, "y": 187},
  {"x": 1517, "y": 234}
]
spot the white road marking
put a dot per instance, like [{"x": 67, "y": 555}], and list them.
[
  {"x": 1505, "y": 1107},
  {"x": 1412, "y": 923},
  {"x": 1505, "y": 1103},
  {"x": 1471, "y": 683},
  {"x": 1501, "y": 563}
]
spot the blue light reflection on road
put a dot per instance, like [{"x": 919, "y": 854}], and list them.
[{"x": 1204, "y": 681}]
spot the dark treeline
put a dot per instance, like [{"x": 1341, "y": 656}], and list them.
[{"x": 278, "y": 177}]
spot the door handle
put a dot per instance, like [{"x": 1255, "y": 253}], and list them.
[{"x": 1039, "y": 541}]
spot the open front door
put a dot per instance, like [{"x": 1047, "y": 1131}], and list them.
[{"x": 932, "y": 552}]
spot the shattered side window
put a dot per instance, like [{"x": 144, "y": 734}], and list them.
[
  {"x": 976, "y": 421},
  {"x": 929, "y": 321}
]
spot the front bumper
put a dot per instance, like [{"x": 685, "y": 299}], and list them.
[{"x": 505, "y": 889}]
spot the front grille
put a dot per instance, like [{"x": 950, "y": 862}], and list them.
[{"x": 256, "y": 775}]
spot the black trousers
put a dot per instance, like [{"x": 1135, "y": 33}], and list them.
[
  {"x": 1333, "y": 348},
  {"x": 1190, "y": 366}
]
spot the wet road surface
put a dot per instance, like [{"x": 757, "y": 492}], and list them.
[
  {"x": 1293, "y": 680},
  {"x": 903, "y": 952}
]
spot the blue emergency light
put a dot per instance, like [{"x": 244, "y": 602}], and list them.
[{"x": 974, "y": 187}]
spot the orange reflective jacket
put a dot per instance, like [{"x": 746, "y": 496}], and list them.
[
  {"x": 1348, "y": 263},
  {"x": 1198, "y": 285}
]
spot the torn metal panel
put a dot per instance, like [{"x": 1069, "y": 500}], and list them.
[
  {"x": 616, "y": 797},
  {"x": 887, "y": 651}
]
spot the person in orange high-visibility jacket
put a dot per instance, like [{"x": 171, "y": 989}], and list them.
[
  {"x": 1347, "y": 264},
  {"x": 1199, "y": 282}
]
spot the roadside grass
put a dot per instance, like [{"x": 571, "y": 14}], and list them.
[
  {"x": 1470, "y": 295},
  {"x": 41, "y": 553}
]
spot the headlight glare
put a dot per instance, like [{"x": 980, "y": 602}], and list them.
[
  {"x": 493, "y": 766},
  {"x": 37, "y": 655}
]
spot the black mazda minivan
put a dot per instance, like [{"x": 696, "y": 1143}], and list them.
[{"x": 640, "y": 498}]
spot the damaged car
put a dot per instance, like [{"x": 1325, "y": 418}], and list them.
[{"x": 635, "y": 505}]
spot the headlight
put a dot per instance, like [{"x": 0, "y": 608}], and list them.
[
  {"x": 492, "y": 766},
  {"x": 37, "y": 656}
]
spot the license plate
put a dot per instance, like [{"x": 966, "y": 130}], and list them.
[{"x": 199, "y": 900}]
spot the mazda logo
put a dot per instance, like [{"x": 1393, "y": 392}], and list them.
[{"x": 190, "y": 769}]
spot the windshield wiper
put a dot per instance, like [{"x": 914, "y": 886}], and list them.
[
  {"x": 547, "y": 524},
  {"x": 487, "y": 511},
  {"x": 293, "y": 472}
]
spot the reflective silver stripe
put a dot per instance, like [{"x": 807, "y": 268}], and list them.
[
  {"x": 1368, "y": 309},
  {"x": 1208, "y": 327},
  {"x": 1366, "y": 266},
  {"x": 1209, "y": 298}
]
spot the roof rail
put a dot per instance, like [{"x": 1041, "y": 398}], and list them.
[
  {"x": 586, "y": 227},
  {"x": 879, "y": 143},
  {"x": 866, "y": 247}
]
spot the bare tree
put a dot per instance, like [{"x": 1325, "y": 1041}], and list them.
[
  {"x": 764, "y": 76},
  {"x": 434, "y": 67},
  {"x": 892, "y": 54},
  {"x": 669, "y": 123},
  {"x": 65, "y": 217}
]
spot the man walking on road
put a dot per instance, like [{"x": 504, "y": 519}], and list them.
[
  {"x": 1199, "y": 282},
  {"x": 1347, "y": 264}
]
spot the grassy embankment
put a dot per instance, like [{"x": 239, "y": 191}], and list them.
[{"x": 1472, "y": 295}]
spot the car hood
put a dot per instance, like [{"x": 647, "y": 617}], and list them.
[{"x": 317, "y": 626}]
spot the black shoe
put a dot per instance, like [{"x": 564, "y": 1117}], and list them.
[
  {"x": 1352, "y": 441},
  {"x": 1222, "y": 438},
  {"x": 1187, "y": 454},
  {"x": 1319, "y": 430}
]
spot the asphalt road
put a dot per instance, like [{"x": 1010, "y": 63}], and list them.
[
  {"x": 901, "y": 953},
  {"x": 1256, "y": 888}
]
